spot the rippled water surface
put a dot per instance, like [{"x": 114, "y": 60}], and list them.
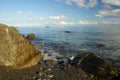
[{"x": 104, "y": 41}]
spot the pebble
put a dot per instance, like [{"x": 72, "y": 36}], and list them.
[
  {"x": 50, "y": 76},
  {"x": 49, "y": 69}
]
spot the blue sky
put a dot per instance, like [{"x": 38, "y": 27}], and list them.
[{"x": 59, "y": 12}]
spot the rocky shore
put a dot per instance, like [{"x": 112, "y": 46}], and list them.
[{"x": 19, "y": 60}]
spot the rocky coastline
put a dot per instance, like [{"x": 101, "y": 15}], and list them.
[{"x": 19, "y": 60}]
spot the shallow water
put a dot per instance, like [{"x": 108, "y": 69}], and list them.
[{"x": 104, "y": 40}]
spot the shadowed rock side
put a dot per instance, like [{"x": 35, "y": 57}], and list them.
[
  {"x": 93, "y": 64},
  {"x": 15, "y": 50}
]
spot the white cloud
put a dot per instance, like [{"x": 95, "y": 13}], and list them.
[
  {"x": 112, "y": 2},
  {"x": 61, "y": 17},
  {"x": 81, "y": 3},
  {"x": 106, "y": 6},
  {"x": 108, "y": 12},
  {"x": 88, "y": 22},
  {"x": 19, "y": 12},
  {"x": 111, "y": 21},
  {"x": 60, "y": 20},
  {"x": 115, "y": 21}
]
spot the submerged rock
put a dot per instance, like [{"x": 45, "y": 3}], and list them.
[
  {"x": 31, "y": 36},
  {"x": 93, "y": 64},
  {"x": 15, "y": 50}
]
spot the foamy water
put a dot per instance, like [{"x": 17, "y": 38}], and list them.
[{"x": 104, "y": 41}]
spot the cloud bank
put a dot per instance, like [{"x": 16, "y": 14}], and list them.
[
  {"x": 112, "y": 2},
  {"x": 81, "y": 3}
]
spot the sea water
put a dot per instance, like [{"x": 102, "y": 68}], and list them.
[{"x": 101, "y": 40}]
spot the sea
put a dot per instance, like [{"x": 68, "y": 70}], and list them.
[{"x": 72, "y": 40}]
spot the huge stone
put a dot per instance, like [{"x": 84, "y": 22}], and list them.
[
  {"x": 91, "y": 63},
  {"x": 15, "y": 50}
]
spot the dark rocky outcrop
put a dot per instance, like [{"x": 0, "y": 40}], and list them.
[
  {"x": 15, "y": 50},
  {"x": 93, "y": 64},
  {"x": 68, "y": 32},
  {"x": 31, "y": 36}
]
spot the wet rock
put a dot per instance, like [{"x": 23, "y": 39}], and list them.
[
  {"x": 47, "y": 27},
  {"x": 68, "y": 32},
  {"x": 101, "y": 45},
  {"x": 93, "y": 64},
  {"x": 31, "y": 36},
  {"x": 46, "y": 52},
  {"x": 15, "y": 50}
]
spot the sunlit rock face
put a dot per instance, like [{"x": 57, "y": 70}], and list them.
[{"x": 15, "y": 50}]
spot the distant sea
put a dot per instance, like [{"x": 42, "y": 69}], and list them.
[{"x": 102, "y": 40}]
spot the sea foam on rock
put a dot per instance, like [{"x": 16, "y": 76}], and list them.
[{"x": 15, "y": 50}]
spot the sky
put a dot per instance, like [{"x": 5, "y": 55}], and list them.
[{"x": 25, "y": 13}]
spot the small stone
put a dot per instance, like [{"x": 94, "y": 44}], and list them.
[
  {"x": 39, "y": 79},
  {"x": 46, "y": 52},
  {"x": 41, "y": 74},
  {"x": 34, "y": 77},
  {"x": 50, "y": 76},
  {"x": 71, "y": 57},
  {"x": 41, "y": 68},
  {"x": 49, "y": 69}
]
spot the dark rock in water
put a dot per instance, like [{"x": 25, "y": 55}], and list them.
[
  {"x": 100, "y": 45},
  {"x": 68, "y": 32},
  {"x": 31, "y": 36},
  {"x": 15, "y": 50},
  {"x": 47, "y": 27},
  {"x": 93, "y": 64}
]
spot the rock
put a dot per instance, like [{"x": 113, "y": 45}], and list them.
[
  {"x": 93, "y": 64},
  {"x": 116, "y": 77},
  {"x": 71, "y": 57},
  {"x": 51, "y": 62},
  {"x": 47, "y": 27},
  {"x": 67, "y": 31},
  {"x": 46, "y": 52},
  {"x": 50, "y": 76},
  {"x": 31, "y": 36},
  {"x": 15, "y": 50},
  {"x": 101, "y": 45}
]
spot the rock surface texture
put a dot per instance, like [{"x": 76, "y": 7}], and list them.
[
  {"x": 93, "y": 64},
  {"x": 15, "y": 50}
]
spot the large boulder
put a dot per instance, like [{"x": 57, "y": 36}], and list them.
[
  {"x": 93, "y": 64},
  {"x": 15, "y": 50}
]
